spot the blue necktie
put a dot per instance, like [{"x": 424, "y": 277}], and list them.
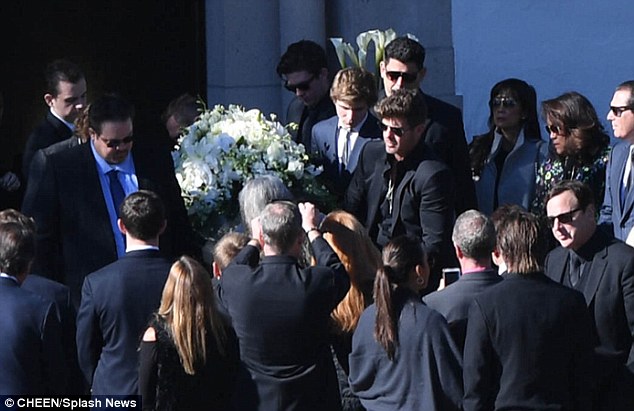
[{"x": 116, "y": 190}]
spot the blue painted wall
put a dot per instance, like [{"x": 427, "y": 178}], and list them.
[{"x": 555, "y": 45}]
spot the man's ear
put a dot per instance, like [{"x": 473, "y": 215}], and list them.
[
  {"x": 48, "y": 98},
  {"x": 121, "y": 226},
  {"x": 382, "y": 68},
  {"x": 459, "y": 252},
  {"x": 216, "y": 269}
]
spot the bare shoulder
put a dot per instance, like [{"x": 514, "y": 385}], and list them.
[{"x": 150, "y": 335}]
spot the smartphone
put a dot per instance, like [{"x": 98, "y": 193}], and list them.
[{"x": 450, "y": 275}]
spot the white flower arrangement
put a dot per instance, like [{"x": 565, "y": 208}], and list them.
[{"x": 226, "y": 147}]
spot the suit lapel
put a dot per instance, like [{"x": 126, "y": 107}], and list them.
[
  {"x": 398, "y": 196},
  {"x": 376, "y": 192},
  {"x": 558, "y": 264},
  {"x": 594, "y": 275}
]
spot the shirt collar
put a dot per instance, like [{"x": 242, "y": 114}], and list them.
[
  {"x": 140, "y": 248},
  {"x": 5, "y": 275},
  {"x": 127, "y": 166},
  {"x": 358, "y": 126},
  {"x": 66, "y": 123}
]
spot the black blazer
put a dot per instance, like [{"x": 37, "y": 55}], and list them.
[
  {"x": 50, "y": 131},
  {"x": 297, "y": 109},
  {"x": 116, "y": 305},
  {"x": 608, "y": 288},
  {"x": 453, "y": 301},
  {"x": 281, "y": 315},
  {"x": 528, "y": 347},
  {"x": 423, "y": 201},
  {"x": 74, "y": 234},
  {"x": 445, "y": 134},
  {"x": 31, "y": 356}
]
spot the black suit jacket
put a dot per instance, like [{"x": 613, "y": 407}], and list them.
[
  {"x": 445, "y": 134},
  {"x": 31, "y": 356},
  {"x": 66, "y": 314},
  {"x": 50, "y": 131},
  {"x": 423, "y": 200},
  {"x": 281, "y": 315},
  {"x": 116, "y": 305},
  {"x": 454, "y": 300},
  {"x": 528, "y": 347},
  {"x": 608, "y": 287},
  {"x": 298, "y": 110},
  {"x": 74, "y": 234}
]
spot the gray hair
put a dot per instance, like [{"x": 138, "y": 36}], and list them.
[
  {"x": 474, "y": 233},
  {"x": 257, "y": 193},
  {"x": 281, "y": 225}
]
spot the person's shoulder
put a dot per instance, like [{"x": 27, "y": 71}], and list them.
[
  {"x": 35, "y": 283},
  {"x": 325, "y": 125},
  {"x": 438, "y": 107}
]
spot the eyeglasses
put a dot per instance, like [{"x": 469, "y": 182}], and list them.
[
  {"x": 617, "y": 111},
  {"x": 399, "y": 131},
  {"x": 504, "y": 102},
  {"x": 564, "y": 218},
  {"x": 303, "y": 86},
  {"x": 114, "y": 143},
  {"x": 407, "y": 77},
  {"x": 556, "y": 130}
]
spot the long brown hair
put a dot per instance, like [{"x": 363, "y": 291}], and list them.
[
  {"x": 188, "y": 308},
  {"x": 350, "y": 241},
  {"x": 400, "y": 256}
]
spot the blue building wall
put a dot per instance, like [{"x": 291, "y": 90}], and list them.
[{"x": 555, "y": 45}]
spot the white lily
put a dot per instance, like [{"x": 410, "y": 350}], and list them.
[
  {"x": 337, "y": 42},
  {"x": 347, "y": 48},
  {"x": 363, "y": 41}
]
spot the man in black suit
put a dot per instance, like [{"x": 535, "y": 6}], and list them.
[
  {"x": 75, "y": 202},
  {"x": 281, "y": 313},
  {"x": 528, "y": 344},
  {"x": 338, "y": 141},
  {"x": 58, "y": 294},
  {"x": 403, "y": 66},
  {"x": 31, "y": 358},
  {"x": 602, "y": 268},
  {"x": 118, "y": 300},
  {"x": 66, "y": 96},
  {"x": 474, "y": 241},
  {"x": 399, "y": 185},
  {"x": 304, "y": 69}
]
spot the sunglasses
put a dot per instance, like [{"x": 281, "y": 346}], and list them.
[
  {"x": 399, "y": 131},
  {"x": 407, "y": 77},
  {"x": 504, "y": 102},
  {"x": 617, "y": 111},
  {"x": 117, "y": 142},
  {"x": 556, "y": 130},
  {"x": 564, "y": 218},
  {"x": 303, "y": 86}
]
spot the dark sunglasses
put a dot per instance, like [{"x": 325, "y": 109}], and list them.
[
  {"x": 303, "y": 86},
  {"x": 116, "y": 143},
  {"x": 617, "y": 111},
  {"x": 564, "y": 218},
  {"x": 504, "y": 102},
  {"x": 556, "y": 130},
  {"x": 399, "y": 131},
  {"x": 407, "y": 77}
]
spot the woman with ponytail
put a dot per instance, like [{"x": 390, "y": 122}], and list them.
[
  {"x": 188, "y": 357},
  {"x": 403, "y": 356}
]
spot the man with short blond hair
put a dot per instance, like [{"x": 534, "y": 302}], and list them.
[{"x": 337, "y": 142}]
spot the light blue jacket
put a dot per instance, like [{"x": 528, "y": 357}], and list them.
[{"x": 517, "y": 182}]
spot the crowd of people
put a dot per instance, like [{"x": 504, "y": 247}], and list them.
[{"x": 105, "y": 290}]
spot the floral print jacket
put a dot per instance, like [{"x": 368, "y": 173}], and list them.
[{"x": 552, "y": 171}]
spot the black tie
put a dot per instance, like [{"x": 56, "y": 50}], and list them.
[
  {"x": 116, "y": 190},
  {"x": 575, "y": 269}
]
